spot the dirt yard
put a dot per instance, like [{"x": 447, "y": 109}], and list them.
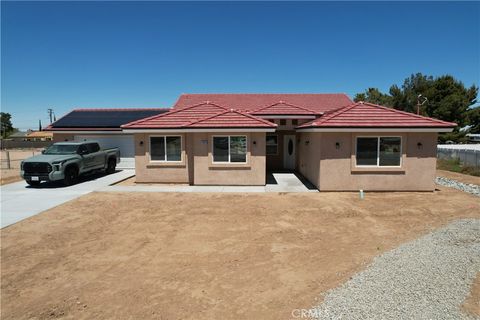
[{"x": 206, "y": 256}]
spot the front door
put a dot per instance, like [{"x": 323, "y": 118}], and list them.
[{"x": 289, "y": 151}]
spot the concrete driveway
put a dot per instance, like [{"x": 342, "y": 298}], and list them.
[{"x": 20, "y": 201}]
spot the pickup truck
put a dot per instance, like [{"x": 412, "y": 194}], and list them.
[{"x": 66, "y": 161}]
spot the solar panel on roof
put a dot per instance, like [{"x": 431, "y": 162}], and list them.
[{"x": 102, "y": 119}]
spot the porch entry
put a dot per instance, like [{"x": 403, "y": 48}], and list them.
[{"x": 289, "y": 150}]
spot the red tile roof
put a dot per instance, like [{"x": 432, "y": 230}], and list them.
[
  {"x": 283, "y": 108},
  {"x": 204, "y": 115},
  {"x": 318, "y": 102},
  {"x": 363, "y": 114},
  {"x": 232, "y": 119}
]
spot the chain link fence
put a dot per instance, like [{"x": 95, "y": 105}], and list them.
[{"x": 468, "y": 155}]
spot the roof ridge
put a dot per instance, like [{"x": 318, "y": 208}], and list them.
[
  {"x": 285, "y": 103},
  {"x": 335, "y": 113},
  {"x": 208, "y": 117},
  {"x": 233, "y": 111},
  {"x": 171, "y": 111}
]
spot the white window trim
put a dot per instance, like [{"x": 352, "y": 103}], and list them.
[
  {"x": 378, "y": 152},
  {"x": 165, "y": 146},
  {"x": 271, "y": 154},
  {"x": 229, "y": 160}
]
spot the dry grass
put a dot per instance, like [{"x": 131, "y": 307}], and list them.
[{"x": 205, "y": 256}]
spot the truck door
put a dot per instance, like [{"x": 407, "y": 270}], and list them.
[
  {"x": 97, "y": 155},
  {"x": 87, "y": 159}
]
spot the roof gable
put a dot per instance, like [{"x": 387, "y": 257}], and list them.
[
  {"x": 318, "y": 102},
  {"x": 232, "y": 119},
  {"x": 283, "y": 108},
  {"x": 364, "y": 114}
]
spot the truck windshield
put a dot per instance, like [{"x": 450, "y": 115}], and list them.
[{"x": 61, "y": 149}]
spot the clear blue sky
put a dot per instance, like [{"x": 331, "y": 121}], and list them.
[{"x": 123, "y": 54}]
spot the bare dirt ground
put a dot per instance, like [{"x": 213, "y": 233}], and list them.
[
  {"x": 9, "y": 176},
  {"x": 206, "y": 256},
  {"x": 465, "y": 178}
]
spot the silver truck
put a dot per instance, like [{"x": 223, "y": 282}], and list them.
[{"x": 66, "y": 161}]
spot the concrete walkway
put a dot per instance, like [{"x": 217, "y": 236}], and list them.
[
  {"x": 20, "y": 201},
  {"x": 276, "y": 182}
]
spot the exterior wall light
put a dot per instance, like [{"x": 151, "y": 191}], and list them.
[
  {"x": 141, "y": 143},
  {"x": 254, "y": 142},
  {"x": 419, "y": 145},
  {"x": 337, "y": 145},
  {"x": 307, "y": 142}
]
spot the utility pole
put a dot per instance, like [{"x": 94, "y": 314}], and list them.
[
  {"x": 420, "y": 102},
  {"x": 50, "y": 114}
]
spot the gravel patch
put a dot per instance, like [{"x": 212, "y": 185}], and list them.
[
  {"x": 428, "y": 278},
  {"x": 470, "y": 188}
]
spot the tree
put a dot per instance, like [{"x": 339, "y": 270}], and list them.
[
  {"x": 373, "y": 95},
  {"x": 474, "y": 119},
  {"x": 6, "y": 126},
  {"x": 447, "y": 98}
]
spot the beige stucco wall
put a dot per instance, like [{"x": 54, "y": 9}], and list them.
[
  {"x": 197, "y": 166},
  {"x": 308, "y": 156},
  {"x": 148, "y": 171},
  {"x": 208, "y": 173},
  {"x": 337, "y": 171},
  {"x": 59, "y": 137}
]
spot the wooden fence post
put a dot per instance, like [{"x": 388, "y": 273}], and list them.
[{"x": 8, "y": 158}]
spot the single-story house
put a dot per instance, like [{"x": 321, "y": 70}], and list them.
[
  {"x": 19, "y": 135},
  {"x": 40, "y": 136},
  {"x": 235, "y": 139},
  {"x": 102, "y": 125}
]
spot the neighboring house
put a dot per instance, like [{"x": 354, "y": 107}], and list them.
[
  {"x": 19, "y": 136},
  {"x": 39, "y": 136},
  {"x": 338, "y": 145},
  {"x": 102, "y": 125}
]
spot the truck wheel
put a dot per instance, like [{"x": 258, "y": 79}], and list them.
[
  {"x": 33, "y": 183},
  {"x": 112, "y": 164},
  {"x": 71, "y": 176}
]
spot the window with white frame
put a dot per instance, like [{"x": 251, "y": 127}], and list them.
[
  {"x": 379, "y": 151},
  {"x": 230, "y": 149},
  {"x": 166, "y": 148},
  {"x": 272, "y": 144}
]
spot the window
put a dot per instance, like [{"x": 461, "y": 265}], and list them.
[
  {"x": 294, "y": 122},
  {"x": 166, "y": 148},
  {"x": 379, "y": 151},
  {"x": 272, "y": 144},
  {"x": 283, "y": 122},
  {"x": 93, "y": 147},
  {"x": 230, "y": 149}
]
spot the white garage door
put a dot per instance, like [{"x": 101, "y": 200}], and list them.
[{"x": 124, "y": 142}]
